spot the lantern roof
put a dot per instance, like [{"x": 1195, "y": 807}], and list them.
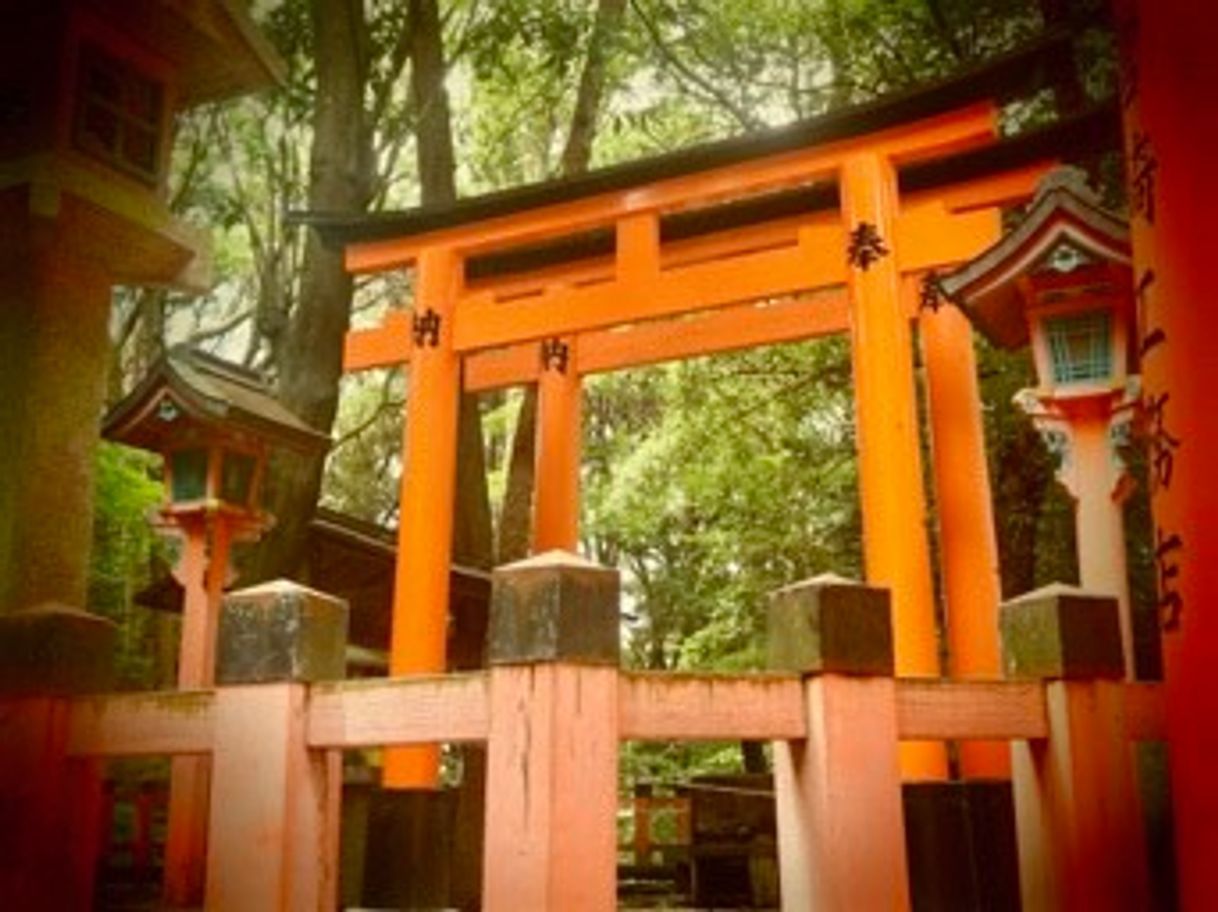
[
  {"x": 190, "y": 391},
  {"x": 1065, "y": 240},
  {"x": 215, "y": 46}
]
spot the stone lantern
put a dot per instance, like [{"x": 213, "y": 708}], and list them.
[
  {"x": 214, "y": 424},
  {"x": 88, "y": 94},
  {"x": 1061, "y": 283}
]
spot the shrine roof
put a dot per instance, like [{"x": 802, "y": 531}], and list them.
[
  {"x": 217, "y": 50},
  {"x": 1064, "y": 229},
  {"x": 1001, "y": 78},
  {"x": 209, "y": 392}
]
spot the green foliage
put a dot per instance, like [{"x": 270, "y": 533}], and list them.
[
  {"x": 127, "y": 491},
  {"x": 712, "y": 482}
]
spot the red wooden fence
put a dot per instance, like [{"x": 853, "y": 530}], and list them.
[{"x": 553, "y": 723}]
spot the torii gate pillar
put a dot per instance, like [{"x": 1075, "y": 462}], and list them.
[
  {"x": 425, "y": 520},
  {"x": 895, "y": 549},
  {"x": 559, "y": 439}
]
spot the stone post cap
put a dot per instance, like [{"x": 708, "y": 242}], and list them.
[
  {"x": 1061, "y": 631},
  {"x": 830, "y": 624},
  {"x": 53, "y": 650},
  {"x": 281, "y": 631},
  {"x": 555, "y": 607}
]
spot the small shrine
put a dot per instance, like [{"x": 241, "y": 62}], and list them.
[
  {"x": 214, "y": 423},
  {"x": 1061, "y": 283}
]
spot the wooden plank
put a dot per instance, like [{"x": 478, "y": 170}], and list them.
[
  {"x": 933, "y": 710},
  {"x": 1081, "y": 842},
  {"x": 928, "y": 236},
  {"x": 659, "y": 707},
  {"x": 271, "y": 841},
  {"x": 485, "y": 323},
  {"x": 1004, "y": 189},
  {"x": 715, "y": 332},
  {"x": 841, "y": 836},
  {"x": 1145, "y": 711},
  {"x": 496, "y": 368},
  {"x": 387, "y": 345},
  {"x": 141, "y": 724},
  {"x": 414, "y": 710},
  {"x": 726, "y": 329},
  {"x": 551, "y": 789}
]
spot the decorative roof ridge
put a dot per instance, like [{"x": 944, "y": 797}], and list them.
[{"x": 1000, "y": 77}]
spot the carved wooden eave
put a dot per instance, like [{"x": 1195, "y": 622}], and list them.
[
  {"x": 1064, "y": 239},
  {"x": 216, "y": 50},
  {"x": 188, "y": 391}
]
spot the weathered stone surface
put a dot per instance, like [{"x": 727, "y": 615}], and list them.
[
  {"x": 281, "y": 631},
  {"x": 53, "y": 649},
  {"x": 556, "y": 607},
  {"x": 830, "y": 624},
  {"x": 1061, "y": 631}
]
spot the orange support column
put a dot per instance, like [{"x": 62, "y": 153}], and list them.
[
  {"x": 425, "y": 524},
  {"x": 1171, "y": 133},
  {"x": 203, "y": 569},
  {"x": 559, "y": 439},
  {"x": 968, "y": 544},
  {"x": 890, "y": 474}
]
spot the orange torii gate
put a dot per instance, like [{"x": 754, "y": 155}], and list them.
[{"x": 536, "y": 285}]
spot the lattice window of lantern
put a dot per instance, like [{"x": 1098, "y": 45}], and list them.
[{"x": 1080, "y": 346}]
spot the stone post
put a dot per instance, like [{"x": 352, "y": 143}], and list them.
[
  {"x": 50, "y": 805},
  {"x": 551, "y": 799},
  {"x": 1081, "y": 844},
  {"x": 841, "y": 842},
  {"x": 273, "y": 827}
]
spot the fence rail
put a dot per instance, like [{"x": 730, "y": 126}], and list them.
[{"x": 651, "y": 707}]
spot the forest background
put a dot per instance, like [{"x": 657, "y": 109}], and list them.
[{"x": 708, "y": 482}]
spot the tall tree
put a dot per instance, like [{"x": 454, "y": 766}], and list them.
[{"x": 309, "y": 358}]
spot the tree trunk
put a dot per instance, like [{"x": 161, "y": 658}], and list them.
[
  {"x": 515, "y": 528},
  {"x": 309, "y": 358},
  {"x": 472, "y": 537}
]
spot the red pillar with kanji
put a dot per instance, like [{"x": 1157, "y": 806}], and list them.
[{"x": 1171, "y": 132}]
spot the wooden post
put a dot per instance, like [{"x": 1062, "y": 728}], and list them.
[
  {"x": 551, "y": 829},
  {"x": 895, "y": 548},
  {"x": 425, "y": 513},
  {"x": 642, "y": 826},
  {"x": 841, "y": 839},
  {"x": 967, "y": 541},
  {"x": 51, "y": 806},
  {"x": 1081, "y": 844},
  {"x": 559, "y": 439},
  {"x": 273, "y": 829}
]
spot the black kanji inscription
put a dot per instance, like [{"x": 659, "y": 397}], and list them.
[
  {"x": 866, "y": 246},
  {"x": 555, "y": 355},
  {"x": 425, "y": 328}
]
